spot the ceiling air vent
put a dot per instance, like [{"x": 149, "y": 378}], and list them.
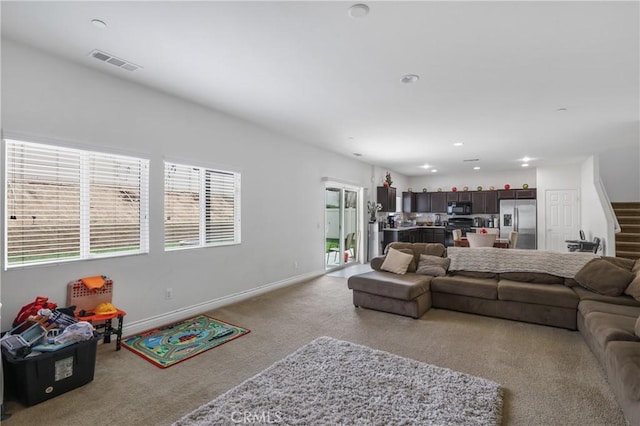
[{"x": 110, "y": 59}]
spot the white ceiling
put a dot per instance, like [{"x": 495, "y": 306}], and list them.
[{"x": 492, "y": 74}]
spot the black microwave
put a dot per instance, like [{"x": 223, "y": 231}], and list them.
[{"x": 458, "y": 208}]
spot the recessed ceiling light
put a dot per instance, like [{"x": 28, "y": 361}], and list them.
[
  {"x": 357, "y": 154},
  {"x": 458, "y": 144},
  {"x": 358, "y": 11},
  {"x": 426, "y": 166},
  {"x": 525, "y": 164},
  {"x": 526, "y": 159},
  {"x": 433, "y": 170},
  {"x": 410, "y": 78},
  {"x": 476, "y": 168},
  {"x": 98, "y": 23}
]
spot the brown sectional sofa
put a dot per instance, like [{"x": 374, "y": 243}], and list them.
[{"x": 610, "y": 324}]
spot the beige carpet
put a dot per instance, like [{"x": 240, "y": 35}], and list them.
[
  {"x": 549, "y": 375},
  {"x": 330, "y": 381}
]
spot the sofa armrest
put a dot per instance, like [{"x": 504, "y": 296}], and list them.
[{"x": 376, "y": 263}]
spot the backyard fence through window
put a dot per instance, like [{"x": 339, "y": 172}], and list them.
[
  {"x": 68, "y": 204},
  {"x": 201, "y": 207}
]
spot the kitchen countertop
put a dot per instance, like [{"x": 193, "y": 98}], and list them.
[{"x": 406, "y": 228}]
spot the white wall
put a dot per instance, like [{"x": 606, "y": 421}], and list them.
[
  {"x": 515, "y": 178},
  {"x": 283, "y": 198},
  {"x": 597, "y": 216},
  {"x": 620, "y": 172}
]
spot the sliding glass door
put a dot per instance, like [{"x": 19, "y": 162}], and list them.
[{"x": 342, "y": 225}]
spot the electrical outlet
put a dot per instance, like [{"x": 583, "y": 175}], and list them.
[{"x": 168, "y": 294}]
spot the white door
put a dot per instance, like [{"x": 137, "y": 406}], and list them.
[{"x": 562, "y": 216}]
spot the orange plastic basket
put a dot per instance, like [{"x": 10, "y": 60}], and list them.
[{"x": 84, "y": 299}]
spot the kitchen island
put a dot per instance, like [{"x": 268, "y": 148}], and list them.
[{"x": 414, "y": 234}]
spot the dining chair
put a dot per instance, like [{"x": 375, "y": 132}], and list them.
[
  {"x": 349, "y": 242},
  {"x": 513, "y": 239},
  {"x": 481, "y": 240}
]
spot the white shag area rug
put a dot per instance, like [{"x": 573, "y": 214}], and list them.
[{"x": 330, "y": 381}]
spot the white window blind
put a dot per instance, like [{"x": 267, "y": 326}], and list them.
[
  {"x": 201, "y": 206},
  {"x": 68, "y": 204}
]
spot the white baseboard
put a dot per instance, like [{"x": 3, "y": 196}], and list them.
[{"x": 186, "y": 312}]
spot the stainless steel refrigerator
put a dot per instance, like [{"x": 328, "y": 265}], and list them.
[{"x": 519, "y": 216}]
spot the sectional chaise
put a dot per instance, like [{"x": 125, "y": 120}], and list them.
[{"x": 597, "y": 295}]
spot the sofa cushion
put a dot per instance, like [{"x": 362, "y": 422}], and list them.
[
  {"x": 570, "y": 282},
  {"x": 549, "y": 295},
  {"x": 604, "y": 277},
  {"x": 433, "y": 265},
  {"x": 585, "y": 294},
  {"x": 623, "y": 366},
  {"x": 633, "y": 289},
  {"x": 605, "y": 328},
  {"x": 474, "y": 274},
  {"x": 532, "y": 277},
  {"x": 636, "y": 266},
  {"x": 396, "y": 262},
  {"x": 483, "y": 288},
  {"x": 587, "y": 306},
  {"x": 621, "y": 262},
  {"x": 404, "y": 287},
  {"x": 636, "y": 328}
]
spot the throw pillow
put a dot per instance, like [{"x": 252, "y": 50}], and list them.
[
  {"x": 637, "y": 327},
  {"x": 433, "y": 265},
  {"x": 633, "y": 289},
  {"x": 396, "y": 262},
  {"x": 604, "y": 278},
  {"x": 620, "y": 261},
  {"x": 412, "y": 265}
]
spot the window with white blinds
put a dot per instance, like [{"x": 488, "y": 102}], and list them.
[
  {"x": 69, "y": 204},
  {"x": 201, "y": 207}
]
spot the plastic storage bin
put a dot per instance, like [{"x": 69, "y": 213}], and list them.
[{"x": 39, "y": 378}]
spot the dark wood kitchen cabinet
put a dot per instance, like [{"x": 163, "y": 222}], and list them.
[
  {"x": 526, "y": 194},
  {"x": 464, "y": 196},
  {"x": 439, "y": 202},
  {"x": 438, "y": 236},
  {"x": 432, "y": 235},
  {"x": 386, "y": 196},
  {"x": 423, "y": 202},
  {"x": 408, "y": 202},
  {"x": 506, "y": 194},
  {"x": 478, "y": 202},
  {"x": 521, "y": 194},
  {"x": 458, "y": 196},
  {"x": 484, "y": 202},
  {"x": 491, "y": 202}
]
